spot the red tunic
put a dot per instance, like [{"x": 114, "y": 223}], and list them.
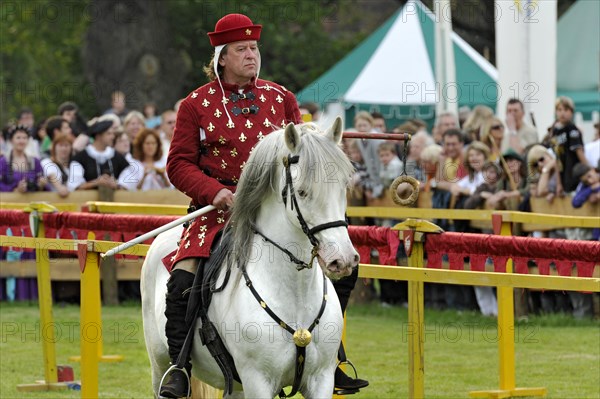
[{"x": 208, "y": 152}]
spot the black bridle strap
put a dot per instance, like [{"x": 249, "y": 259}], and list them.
[
  {"x": 300, "y": 350},
  {"x": 328, "y": 225},
  {"x": 301, "y": 264}
]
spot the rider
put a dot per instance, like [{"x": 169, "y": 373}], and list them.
[{"x": 217, "y": 126}]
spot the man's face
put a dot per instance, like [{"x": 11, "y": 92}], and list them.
[
  {"x": 168, "y": 123},
  {"x": 515, "y": 110},
  {"x": 452, "y": 147},
  {"x": 69, "y": 115},
  {"x": 240, "y": 62},
  {"x": 65, "y": 128}
]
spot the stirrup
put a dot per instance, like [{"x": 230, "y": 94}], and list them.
[
  {"x": 346, "y": 391},
  {"x": 187, "y": 376}
]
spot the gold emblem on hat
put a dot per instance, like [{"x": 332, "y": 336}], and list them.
[
  {"x": 302, "y": 337},
  {"x": 248, "y": 32}
]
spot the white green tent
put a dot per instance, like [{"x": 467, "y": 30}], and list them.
[
  {"x": 392, "y": 71},
  {"x": 578, "y": 55}
]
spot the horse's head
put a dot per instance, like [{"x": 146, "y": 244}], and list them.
[{"x": 313, "y": 186}]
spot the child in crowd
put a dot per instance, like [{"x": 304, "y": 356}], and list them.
[
  {"x": 391, "y": 165},
  {"x": 567, "y": 142},
  {"x": 588, "y": 189}
]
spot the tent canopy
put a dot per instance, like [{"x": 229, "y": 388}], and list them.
[
  {"x": 578, "y": 55},
  {"x": 393, "y": 71}
]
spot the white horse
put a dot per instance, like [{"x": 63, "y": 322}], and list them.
[{"x": 294, "y": 176}]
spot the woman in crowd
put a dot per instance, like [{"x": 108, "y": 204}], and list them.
[
  {"x": 20, "y": 172},
  {"x": 133, "y": 124},
  {"x": 492, "y": 134},
  {"x": 57, "y": 167},
  {"x": 147, "y": 151}
]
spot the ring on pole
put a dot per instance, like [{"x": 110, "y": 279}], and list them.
[{"x": 412, "y": 198}]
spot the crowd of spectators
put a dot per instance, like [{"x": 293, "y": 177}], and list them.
[
  {"x": 482, "y": 161},
  {"x": 121, "y": 149}
]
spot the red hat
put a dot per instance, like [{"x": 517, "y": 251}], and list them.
[{"x": 234, "y": 28}]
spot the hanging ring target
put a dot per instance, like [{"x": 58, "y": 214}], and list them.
[{"x": 402, "y": 200}]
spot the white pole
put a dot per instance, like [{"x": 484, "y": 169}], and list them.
[
  {"x": 158, "y": 230},
  {"x": 445, "y": 68}
]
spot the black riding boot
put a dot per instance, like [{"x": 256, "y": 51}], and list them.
[
  {"x": 343, "y": 288},
  {"x": 176, "y": 330}
]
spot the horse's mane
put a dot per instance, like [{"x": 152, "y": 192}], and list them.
[{"x": 321, "y": 162}]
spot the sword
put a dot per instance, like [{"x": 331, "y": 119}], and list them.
[{"x": 158, "y": 230}]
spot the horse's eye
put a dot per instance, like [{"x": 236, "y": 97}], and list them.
[{"x": 302, "y": 193}]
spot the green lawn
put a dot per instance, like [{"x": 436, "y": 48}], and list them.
[{"x": 556, "y": 352}]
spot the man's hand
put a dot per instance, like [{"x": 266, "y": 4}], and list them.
[{"x": 223, "y": 200}]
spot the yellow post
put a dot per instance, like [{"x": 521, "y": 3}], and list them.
[
  {"x": 90, "y": 322},
  {"x": 413, "y": 235},
  {"x": 42, "y": 260},
  {"x": 506, "y": 334}
]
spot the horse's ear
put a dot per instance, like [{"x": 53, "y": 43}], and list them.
[
  {"x": 292, "y": 137},
  {"x": 335, "y": 131}
]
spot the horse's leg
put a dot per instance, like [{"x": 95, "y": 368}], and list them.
[
  {"x": 257, "y": 384},
  {"x": 319, "y": 386}
]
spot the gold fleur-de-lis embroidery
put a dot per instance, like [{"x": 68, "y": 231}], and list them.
[
  {"x": 248, "y": 124},
  {"x": 218, "y": 113},
  {"x": 223, "y": 164},
  {"x": 201, "y": 236},
  {"x": 222, "y": 140},
  {"x": 260, "y": 136},
  {"x": 220, "y": 220},
  {"x": 205, "y": 103},
  {"x": 172, "y": 258},
  {"x": 187, "y": 245},
  {"x": 210, "y": 127},
  {"x": 243, "y": 137},
  {"x": 248, "y": 32},
  {"x": 234, "y": 152},
  {"x": 224, "y": 100},
  {"x": 211, "y": 91},
  {"x": 283, "y": 124},
  {"x": 203, "y": 228},
  {"x": 267, "y": 123},
  {"x": 221, "y": 211},
  {"x": 279, "y": 99},
  {"x": 194, "y": 95},
  {"x": 203, "y": 218},
  {"x": 267, "y": 87},
  {"x": 242, "y": 165},
  {"x": 273, "y": 110},
  {"x": 262, "y": 98},
  {"x": 216, "y": 152},
  {"x": 230, "y": 124},
  {"x": 234, "y": 179},
  {"x": 201, "y": 243}
]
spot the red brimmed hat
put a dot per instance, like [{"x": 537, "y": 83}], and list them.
[{"x": 234, "y": 28}]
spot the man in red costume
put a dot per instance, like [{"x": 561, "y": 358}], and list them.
[{"x": 217, "y": 127}]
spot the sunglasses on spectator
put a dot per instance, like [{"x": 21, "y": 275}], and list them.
[
  {"x": 539, "y": 161},
  {"x": 497, "y": 127}
]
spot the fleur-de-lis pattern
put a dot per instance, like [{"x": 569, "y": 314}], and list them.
[{"x": 228, "y": 140}]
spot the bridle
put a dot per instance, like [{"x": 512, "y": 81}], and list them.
[{"x": 309, "y": 232}]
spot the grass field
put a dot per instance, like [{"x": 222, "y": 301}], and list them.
[{"x": 556, "y": 352}]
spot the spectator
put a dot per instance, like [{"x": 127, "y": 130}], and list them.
[
  {"x": 99, "y": 165},
  {"x": 417, "y": 143},
  {"x": 588, "y": 190},
  {"x": 592, "y": 150},
  {"x": 430, "y": 160},
  {"x": 26, "y": 119},
  {"x": 446, "y": 121},
  {"x": 520, "y": 134},
  {"x": 542, "y": 171},
  {"x": 147, "y": 152},
  {"x": 391, "y": 165},
  {"x": 166, "y": 130},
  {"x": 512, "y": 188},
  {"x": 567, "y": 142},
  {"x": 70, "y": 112},
  {"x": 486, "y": 190},
  {"x": 477, "y": 154},
  {"x": 452, "y": 167},
  {"x": 57, "y": 167},
  {"x": 473, "y": 124},
  {"x": 152, "y": 120},
  {"x": 312, "y": 109},
  {"x": 133, "y": 124},
  {"x": 55, "y": 125},
  {"x": 118, "y": 104},
  {"x": 363, "y": 122},
  {"x": 379, "y": 124},
  {"x": 492, "y": 134},
  {"x": 20, "y": 172},
  {"x": 123, "y": 145}
]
